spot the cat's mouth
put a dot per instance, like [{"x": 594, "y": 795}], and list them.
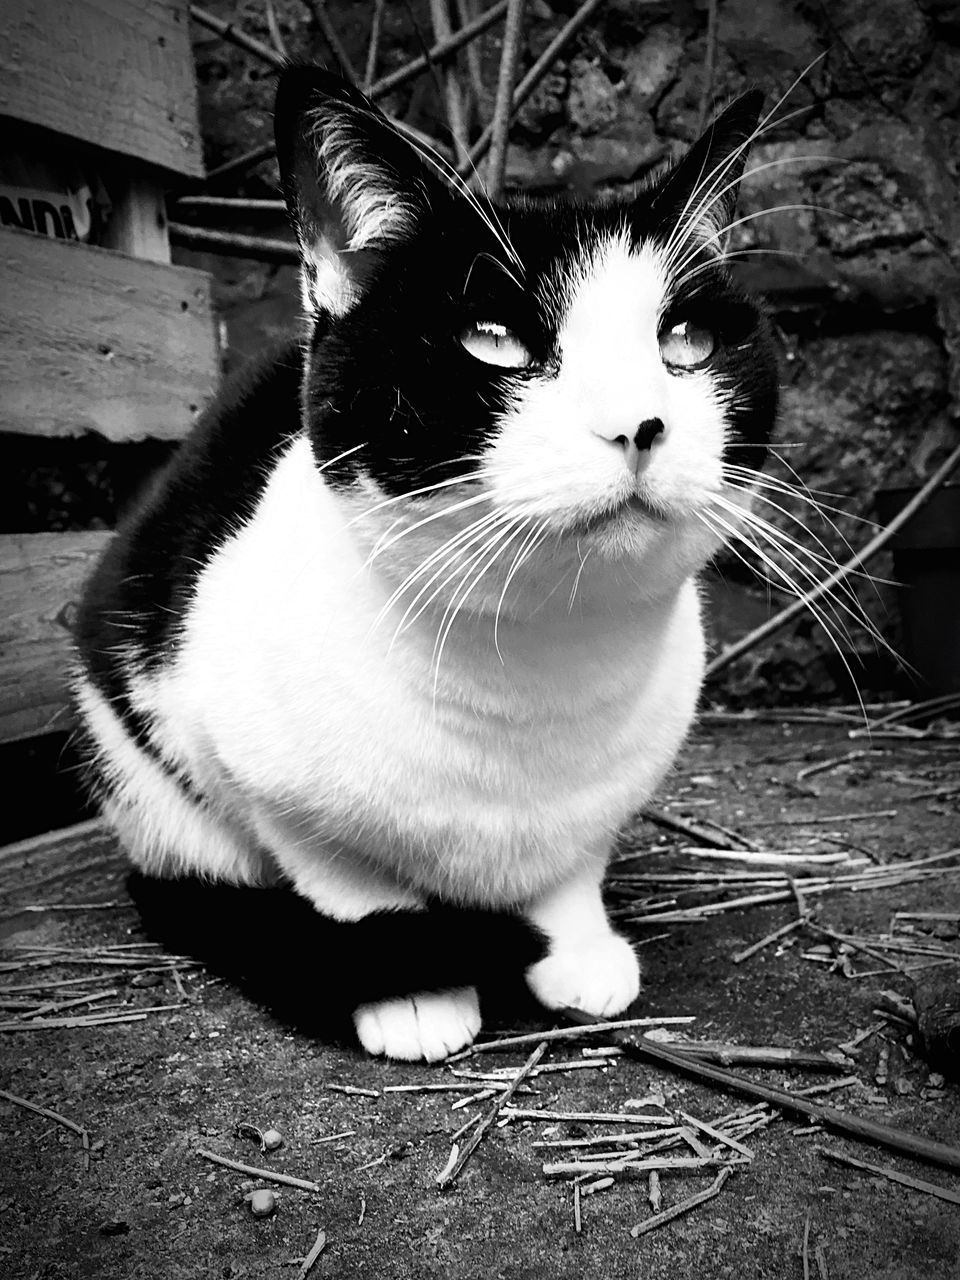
[{"x": 626, "y": 509}]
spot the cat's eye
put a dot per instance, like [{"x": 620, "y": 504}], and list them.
[
  {"x": 495, "y": 344},
  {"x": 686, "y": 345}
]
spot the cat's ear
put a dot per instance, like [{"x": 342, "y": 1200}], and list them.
[
  {"x": 698, "y": 195},
  {"x": 353, "y": 185}
]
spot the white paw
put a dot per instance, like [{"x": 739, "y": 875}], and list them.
[
  {"x": 601, "y": 977},
  {"x": 427, "y": 1026}
]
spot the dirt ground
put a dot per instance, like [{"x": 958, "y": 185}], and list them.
[{"x": 152, "y": 1092}]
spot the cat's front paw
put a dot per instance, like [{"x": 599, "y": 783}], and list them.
[
  {"x": 601, "y": 977},
  {"x": 426, "y": 1027}
]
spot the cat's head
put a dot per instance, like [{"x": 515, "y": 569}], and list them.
[{"x": 575, "y": 373}]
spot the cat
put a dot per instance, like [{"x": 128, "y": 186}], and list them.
[{"x": 412, "y": 618}]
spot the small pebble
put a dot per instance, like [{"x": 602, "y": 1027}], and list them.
[
  {"x": 263, "y": 1203},
  {"x": 271, "y": 1139}
]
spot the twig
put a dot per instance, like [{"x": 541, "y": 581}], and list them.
[
  {"x": 883, "y": 1135},
  {"x": 231, "y": 204},
  {"x": 752, "y": 950},
  {"x": 318, "y": 1247},
  {"x": 694, "y": 830},
  {"x": 709, "y": 67},
  {"x": 577, "y": 1220},
  {"x": 452, "y": 1172},
  {"x": 805, "y": 1256},
  {"x": 273, "y": 26},
  {"x": 78, "y": 1129},
  {"x": 321, "y": 19},
  {"x": 576, "y": 1117},
  {"x": 635, "y": 1164},
  {"x": 467, "y": 13},
  {"x": 930, "y": 1188},
  {"x": 450, "y": 84},
  {"x": 815, "y": 820},
  {"x": 373, "y": 48},
  {"x": 533, "y": 77},
  {"x": 684, "y": 1206},
  {"x": 352, "y": 1090},
  {"x": 248, "y": 160},
  {"x": 267, "y": 1174},
  {"x": 759, "y": 1056},
  {"x": 231, "y": 32},
  {"x": 564, "y": 1033},
  {"x": 203, "y": 239},
  {"x": 441, "y": 50},
  {"x": 877, "y": 543},
  {"x": 503, "y": 105},
  {"x": 717, "y": 1136}
]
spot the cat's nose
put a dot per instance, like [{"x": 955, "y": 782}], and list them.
[{"x": 640, "y": 443}]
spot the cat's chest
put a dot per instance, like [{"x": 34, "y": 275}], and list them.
[{"x": 292, "y": 675}]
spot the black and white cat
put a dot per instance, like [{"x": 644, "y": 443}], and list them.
[{"x": 413, "y": 615}]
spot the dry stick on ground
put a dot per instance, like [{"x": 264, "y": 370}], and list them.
[
  {"x": 317, "y": 1248},
  {"x": 695, "y": 831},
  {"x": 564, "y": 1033},
  {"x": 911, "y": 1144},
  {"x": 268, "y": 1174},
  {"x": 453, "y": 1170},
  {"x": 877, "y": 543},
  {"x": 78, "y": 1129},
  {"x": 684, "y": 1207},
  {"x": 929, "y": 1188},
  {"x": 752, "y": 950},
  {"x": 503, "y": 105}
]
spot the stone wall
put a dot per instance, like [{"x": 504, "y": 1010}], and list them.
[{"x": 864, "y": 152}]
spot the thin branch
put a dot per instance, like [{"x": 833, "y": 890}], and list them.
[
  {"x": 441, "y": 50},
  {"x": 321, "y": 18},
  {"x": 248, "y": 160},
  {"x": 533, "y": 77},
  {"x": 455, "y": 1168},
  {"x": 273, "y": 26},
  {"x": 908, "y": 1143},
  {"x": 373, "y": 48},
  {"x": 203, "y": 239},
  {"x": 450, "y": 83},
  {"x": 877, "y": 543},
  {"x": 235, "y": 35},
  {"x": 929, "y": 1188},
  {"x": 658, "y": 1220},
  {"x": 503, "y": 106},
  {"x": 709, "y": 67},
  {"x": 268, "y": 1174}
]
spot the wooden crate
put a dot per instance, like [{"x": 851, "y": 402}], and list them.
[{"x": 113, "y": 341}]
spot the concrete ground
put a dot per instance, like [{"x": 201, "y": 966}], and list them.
[{"x": 153, "y": 1092}]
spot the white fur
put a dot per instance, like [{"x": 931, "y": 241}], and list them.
[{"x": 343, "y": 747}]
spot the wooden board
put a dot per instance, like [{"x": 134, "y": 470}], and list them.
[
  {"x": 40, "y": 579},
  {"x": 93, "y": 341},
  {"x": 52, "y": 866},
  {"x": 117, "y": 73}
]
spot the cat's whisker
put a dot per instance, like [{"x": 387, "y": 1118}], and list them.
[
  {"x": 499, "y": 543},
  {"x": 792, "y": 587},
  {"x": 384, "y": 544},
  {"x": 467, "y": 478},
  {"x": 449, "y": 554},
  {"x": 840, "y": 598},
  {"x": 758, "y": 491},
  {"x": 526, "y": 548}
]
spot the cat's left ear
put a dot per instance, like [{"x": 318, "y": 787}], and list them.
[
  {"x": 699, "y": 194},
  {"x": 353, "y": 185}
]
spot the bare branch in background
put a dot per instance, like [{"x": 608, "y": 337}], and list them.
[
  {"x": 503, "y": 107},
  {"x": 452, "y": 91},
  {"x": 709, "y": 68},
  {"x": 373, "y": 48},
  {"x": 321, "y": 19}
]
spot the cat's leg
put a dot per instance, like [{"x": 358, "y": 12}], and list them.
[
  {"x": 422, "y": 1026},
  {"x": 588, "y": 966}
]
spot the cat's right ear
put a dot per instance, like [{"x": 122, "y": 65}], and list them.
[{"x": 353, "y": 184}]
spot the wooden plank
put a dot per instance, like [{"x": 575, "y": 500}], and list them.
[
  {"x": 137, "y": 225},
  {"x": 43, "y": 867},
  {"x": 40, "y": 579},
  {"x": 117, "y": 73},
  {"x": 92, "y": 341}
]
